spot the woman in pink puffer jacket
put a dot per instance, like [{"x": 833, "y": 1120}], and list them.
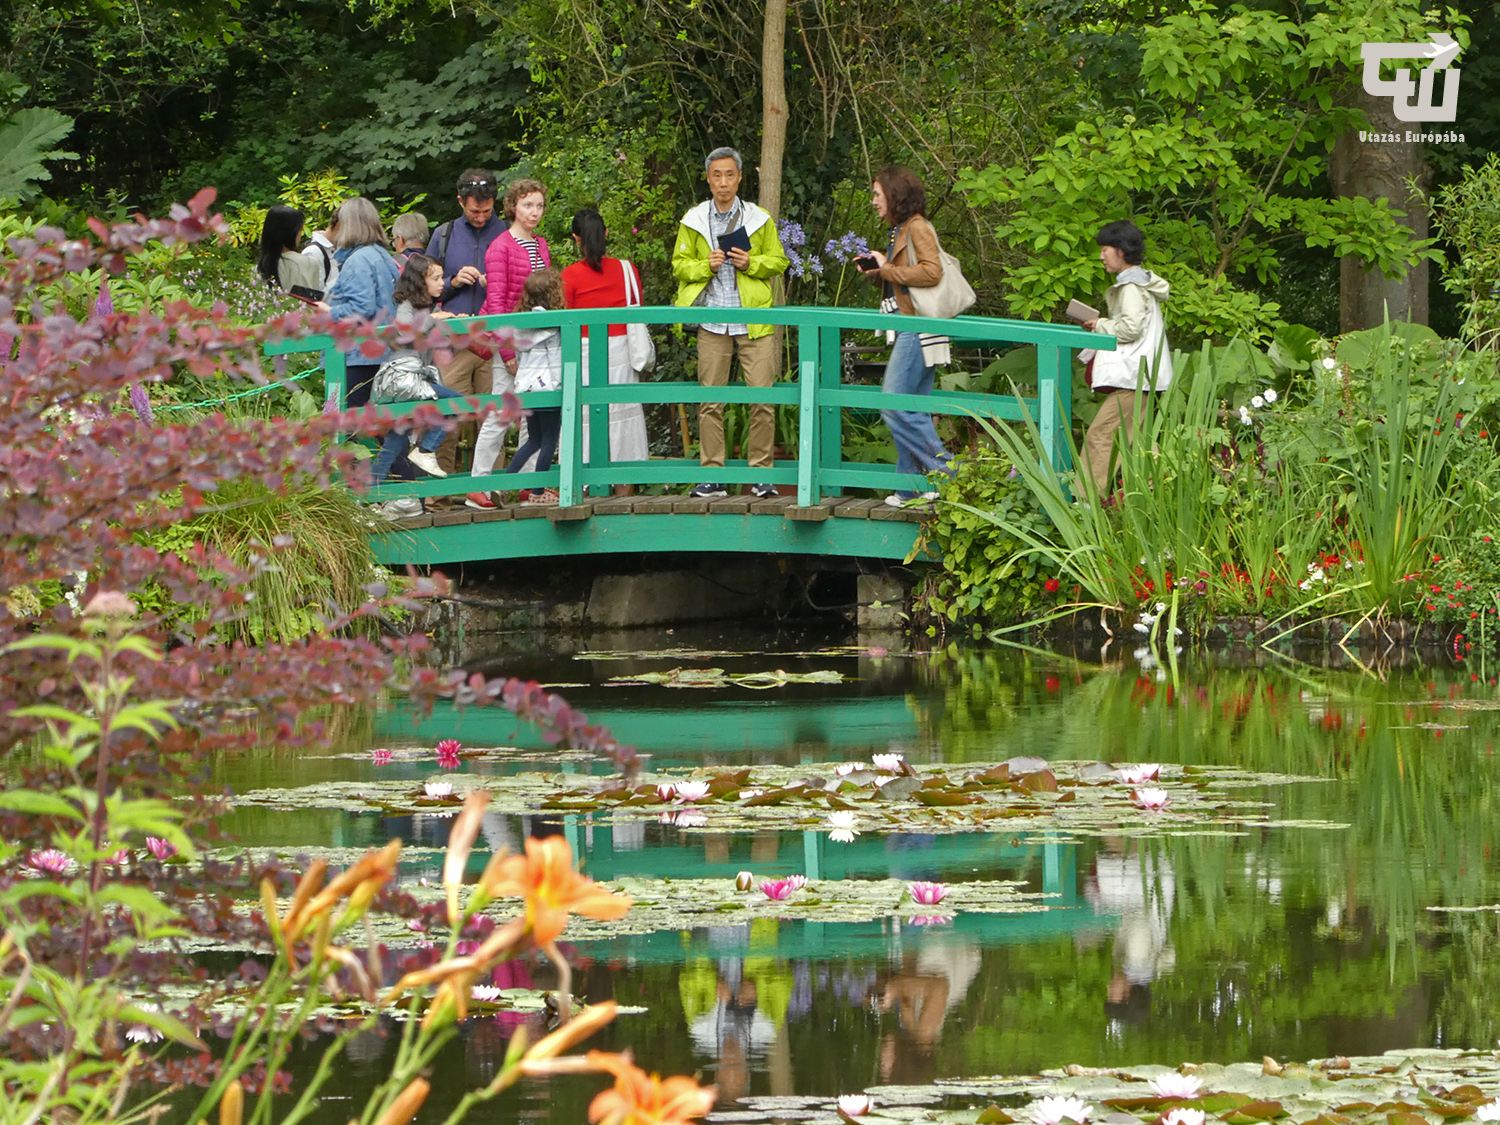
[{"x": 507, "y": 264}]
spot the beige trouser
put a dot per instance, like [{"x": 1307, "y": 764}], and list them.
[
  {"x": 758, "y": 361},
  {"x": 467, "y": 374},
  {"x": 1118, "y": 413}
]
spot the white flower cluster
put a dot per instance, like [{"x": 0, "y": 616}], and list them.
[
  {"x": 1148, "y": 618},
  {"x": 1314, "y": 575},
  {"x": 1259, "y": 402}
]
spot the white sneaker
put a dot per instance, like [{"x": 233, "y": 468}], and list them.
[
  {"x": 898, "y": 500},
  {"x": 425, "y": 461},
  {"x": 401, "y": 508}
]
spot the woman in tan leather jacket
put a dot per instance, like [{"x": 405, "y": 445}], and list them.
[{"x": 910, "y": 260}]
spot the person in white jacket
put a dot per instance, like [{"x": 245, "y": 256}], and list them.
[{"x": 1142, "y": 360}]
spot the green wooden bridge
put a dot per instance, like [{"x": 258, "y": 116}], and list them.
[{"x": 815, "y": 516}]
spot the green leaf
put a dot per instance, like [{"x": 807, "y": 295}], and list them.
[{"x": 39, "y": 804}]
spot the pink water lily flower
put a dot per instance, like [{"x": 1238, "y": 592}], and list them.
[
  {"x": 929, "y": 919},
  {"x": 1176, "y": 1086},
  {"x": 776, "y": 889},
  {"x": 1138, "y": 775},
  {"x": 666, "y": 791},
  {"x": 888, "y": 763},
  {"x": 485, "y": 992},
  {"x": 161, "y": 849},
  {"x": 1152, "y": 800},
  {"x": 51, "y": 861},
  {"x": 447, "y": 753},
  {"x": 1181, "y": 1116},
  {"x": 928, "y": 894},
  {"x": 692, "y": 790},
  {"x": 855, "y": 1105},
  {"x": 382, "y": 757},
  {"x": 117, "y": 858}
]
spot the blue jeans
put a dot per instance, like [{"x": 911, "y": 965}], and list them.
[
  {"x": 395, "y": 445},
  {"x": 543, "y": 427},
  {"x": 918, "y": 447}
]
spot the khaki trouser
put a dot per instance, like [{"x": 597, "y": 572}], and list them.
[
  {"x": 467, "y": 374},
  {"x": 758, "y": 362},
  {"x": 1118, "y": 413}
]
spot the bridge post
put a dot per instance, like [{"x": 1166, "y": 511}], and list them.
[
  {"x": 570, "y": 441},
  {"x": 598, "y": 376},
  {"x": 831, "y": 418},
  {"x": 336, "y": 380},
  {"x": 1054, "y": 386},
  {"x": 808, "y": 337}
]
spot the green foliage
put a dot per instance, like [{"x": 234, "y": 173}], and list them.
[
  {"x": 1220, "y": 159},
  {"x": 987, "y": 576},
  {"x": 1466, "y": 215},
  {"x": 26, "y": 140}
]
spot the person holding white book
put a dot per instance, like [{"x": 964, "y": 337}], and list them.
[{"x": 1142, "y": 360}]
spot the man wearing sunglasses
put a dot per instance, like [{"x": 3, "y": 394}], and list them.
[{"x": 459, "y": 246}]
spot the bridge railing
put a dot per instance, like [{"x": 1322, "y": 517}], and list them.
[{"x": 816, "y": 389}]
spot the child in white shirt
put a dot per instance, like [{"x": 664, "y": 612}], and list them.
[{"x": 539, "y": 368}]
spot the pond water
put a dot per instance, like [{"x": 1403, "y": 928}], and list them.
[{"x": 1340, "y": 928}]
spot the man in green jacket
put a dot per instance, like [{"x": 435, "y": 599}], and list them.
[{"x": 711, "y": 276}]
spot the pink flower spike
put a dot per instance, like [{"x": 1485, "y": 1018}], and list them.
[
  {"x": 666, "y": 791},
  {"x": 382, "y": 757},
  {"x": 447, "y": 753},
  {"x": 1152, "y": 800},
  {"x": 776, "y": 889},
  {"x": 161, "y": 849},
  {"x": 928, "y": 894},
  {"x": 50, "y": 861}
]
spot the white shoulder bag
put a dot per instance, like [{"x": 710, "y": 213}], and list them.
[{"x": 637, "y": 336}]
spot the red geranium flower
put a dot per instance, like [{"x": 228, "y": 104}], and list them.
[{"x": 1052, "y": 585}]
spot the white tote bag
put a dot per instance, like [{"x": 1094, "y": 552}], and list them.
[
  {"x": 950, "y": 296},
  {"x": 638, "y": 336}
]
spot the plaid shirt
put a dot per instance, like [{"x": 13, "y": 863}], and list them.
[{"x": 723, "y": 291}]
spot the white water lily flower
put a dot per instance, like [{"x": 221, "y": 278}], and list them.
[
  {"x": 439, "y": 788},
  {"x": 855, "y": 1105},
  {"x": 1138, "y": 775},
  {"x": 1054, "y": 1111},
  {"x": 1490, "y": 1111},
  {"x": 1258, "y": 402},
  {"x": 1182, "y": 1116},
  {"x": 1176, "y": 1086},
  {"x": 843, "y": 826},
  {"x": 1244, "y": 416},
  {"x": 844, "y": 769},
  {"x": 1152, "y": 800},
  {"x": 692, "y": 790},
  {"x": 484, "y": 992},
  {"x": 1271, "y": 391},
  {"x": 887, "y": 763}
]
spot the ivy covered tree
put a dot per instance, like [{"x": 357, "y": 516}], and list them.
[{"x": 1221, "y": 152}]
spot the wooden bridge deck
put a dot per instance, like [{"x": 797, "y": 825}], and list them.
[{"x": 836, "y": 525}]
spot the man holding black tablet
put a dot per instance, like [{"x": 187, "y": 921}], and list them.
[{"x": 726, "y": 257}]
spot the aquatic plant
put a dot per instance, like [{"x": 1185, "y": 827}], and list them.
[
  {"x": 1138, "y": 775},
  {"x": 797, "y": 882},
  {"x": 438, "y": 788},
  {"x": 1489, "y": 1111},
  {"x": 928, "y": 894},
  {"x": 744, "y": 881},
  {"x": 50, "y": 861},
  {"x": 888, "y": 763},
  {"x": 382, "y": 757},
  {"x": 1152, "y": 800},
  {"x": 929, "y": 919},
  {"x": 1183, "y": 1116},
  {"x": 855, "y": 1105},
  {"x": 843, "y": 825},
  {"x": 160, "y": 849},
  {"x": 844, "y": 769},
  {"x": 666, "y": 791},
  {"x": 447, "y": 753},
  {"x": 1054, "y": 1111},
  {"x": 777, "y": 890},
  {"x": 1176, "y": 1086},
  {"x": 692, "y": 790}
]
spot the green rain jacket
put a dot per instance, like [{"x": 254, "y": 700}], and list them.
[{"x": 767, "y": 261}]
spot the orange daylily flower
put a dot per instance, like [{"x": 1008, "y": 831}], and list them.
[
  {"x": 545, "y": 878},
  {"x": 642, "y": 1099}
]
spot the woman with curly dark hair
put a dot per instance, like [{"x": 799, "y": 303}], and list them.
[{"x": 911, "y": 260}]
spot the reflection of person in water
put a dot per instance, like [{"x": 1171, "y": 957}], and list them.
[
  {"x": 929, "y": 985},
  {"x": 725, "y": 1022},
  {"x": 1140, "y": 888}
]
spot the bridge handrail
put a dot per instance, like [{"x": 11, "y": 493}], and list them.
[{"x": 815, "y": 387}]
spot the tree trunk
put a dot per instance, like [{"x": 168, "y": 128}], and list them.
[
  {"x": 773, "y": 106},
  {"x": 1379, "y": 170}
]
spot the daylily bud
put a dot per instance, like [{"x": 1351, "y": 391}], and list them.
[
  {"x": 744, "y": 881},
  {"x": 575, "y": 1031},
  {"x": 232, "y": 1104},
  {"x": 405, "y": 1107},
  {"x": 460, "y": 840},
  {"x": 268, "y": 906}
]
